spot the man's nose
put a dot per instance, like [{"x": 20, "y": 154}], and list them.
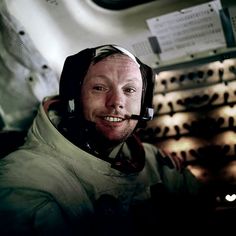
[{"x": 116, "y": 100}]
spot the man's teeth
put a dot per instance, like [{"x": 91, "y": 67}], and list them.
[{"x": 113, "y": 119}]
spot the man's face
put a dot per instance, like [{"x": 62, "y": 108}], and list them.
[{"x": 111, "y": 92}]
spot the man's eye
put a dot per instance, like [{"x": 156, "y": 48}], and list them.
[
  {"x": 99, "y": 88},
  {"x": 130, "y": 90}
]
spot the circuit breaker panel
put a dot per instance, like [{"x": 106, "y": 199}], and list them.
[{"x": 195, "y": 108}]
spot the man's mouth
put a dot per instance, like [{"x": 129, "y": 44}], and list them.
[{"x": 113, "y": 119}]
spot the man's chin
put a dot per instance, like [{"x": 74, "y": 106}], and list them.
[
  {"x": 116, "y": 139},
  {"x": 114, "y": 135}
]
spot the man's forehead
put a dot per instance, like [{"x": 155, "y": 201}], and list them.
[
  {"x": 117, "y": 60},
  {"x": 108, "y": 49},
  {"x": 118, "y": 65}
]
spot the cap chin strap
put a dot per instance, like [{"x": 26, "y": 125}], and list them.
[{"x": 136, "y": 162}]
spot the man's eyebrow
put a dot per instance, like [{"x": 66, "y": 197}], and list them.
[
  {"x": 98, "y": 77},
  {"x": 134, "y": 80}
]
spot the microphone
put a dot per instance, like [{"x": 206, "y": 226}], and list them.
[{"x": 146, "y": 117}]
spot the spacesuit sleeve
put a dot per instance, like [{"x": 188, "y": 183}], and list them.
[{"x": 30, "y": 212}]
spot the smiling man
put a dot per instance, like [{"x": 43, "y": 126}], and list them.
[
  {"x": 83, "y": 170},
  {"x": 111, "y": 93}
]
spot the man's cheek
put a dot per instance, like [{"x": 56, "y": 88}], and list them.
[
  {"x": 135, "y": 109},
  {"x": 86, "y": 114}
]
